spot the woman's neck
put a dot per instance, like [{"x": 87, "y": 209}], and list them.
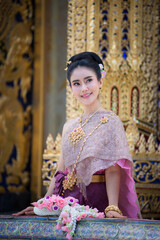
[{"x": 91, "y": 109}]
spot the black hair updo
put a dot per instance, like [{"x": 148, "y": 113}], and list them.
[{"x": 85, "y": 59}]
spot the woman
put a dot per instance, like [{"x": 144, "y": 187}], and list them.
[{"x": 95, "y": 164}]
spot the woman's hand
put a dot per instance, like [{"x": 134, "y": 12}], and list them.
[
  {"x": 26, "y": 211},
  {"x": 114, "y": 214}
]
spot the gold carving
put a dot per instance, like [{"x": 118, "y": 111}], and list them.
[
  {"x": 132, "y": 134},
  {"x": 115, "y": 100},
  {"x": 135, "y": 55},
  {"x": 92, "y": 25},
  {"x": 50, "y": 158},
  {"x": 15, "y": 83},
  {"x": 146, "y": 171},
  {"x": 114, "y": 58},
  {"x": 149, "y": 204},
  {"x": 141, "y": 144},
  {"x": 135, "y": 102}
]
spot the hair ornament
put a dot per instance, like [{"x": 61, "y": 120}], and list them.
[
  {"x": 103, "y": 73},
  {"x": 68, "y": 63}
]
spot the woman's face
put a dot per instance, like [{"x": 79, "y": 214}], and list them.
[{"x": 85, "y": 85}]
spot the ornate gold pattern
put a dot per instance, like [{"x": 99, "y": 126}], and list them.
[
  {"x": 115, "y": 18},
  {"x": 103, "y": 28},
  {"x": 92, "y": 25},
  {"x": 50, "y": 158},
  {"x": 147, "y": 171},
  {"x": 15, "y": 83},
  {"x": 135, "y": 55},
  {"x": 149, "y": 201},
  {"x": 135, "y": 102},
  {"x": 76, "y": 135},
  {"x": 115, "y": 100}
]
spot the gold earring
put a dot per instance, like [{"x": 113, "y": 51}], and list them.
[{"x": 100, "y": 93}]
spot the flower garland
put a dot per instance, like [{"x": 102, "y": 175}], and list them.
[{"x": 69, "y": 212}]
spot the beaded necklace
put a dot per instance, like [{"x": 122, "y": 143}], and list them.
[
  {"x": 77, "y": 134},
  {"x": 71, "y": 178}
]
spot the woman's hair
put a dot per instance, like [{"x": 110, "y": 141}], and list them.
[{"x": 85, "y": 59}]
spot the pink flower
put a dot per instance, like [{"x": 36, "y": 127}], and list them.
[
  {"x": 103, "y": 73},
  {"x": 64, "y": 228},
  {"x": 100, "y": 215},
  {"x": 35, "y": 204},
  {"x": 83, "y": 215},
  {"x": 78, "y": 218},
  {"x": 71, "y": 200},
  {"x": 64, "y": 214},
  {"x": 69, "y": 220},
  {"x": 40, "y": 206},
  {"x": 58, "y": 226},
  {"x": 95, "y": 210},
  {"x": 68, "y": 236},
  {"x": 53, "y": 198},
  {"x": 86, "y": 208},
  {"x": 61, "y": 202},
  {"x": 64, "y": 221},
  {"x": 49, "y": 206}
]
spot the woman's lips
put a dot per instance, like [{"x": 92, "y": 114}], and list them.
[{"x": 86, "y": 95}]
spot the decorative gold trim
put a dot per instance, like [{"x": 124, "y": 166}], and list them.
[{"x": 98, "y": 178}]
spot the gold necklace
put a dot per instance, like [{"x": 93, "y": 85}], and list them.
[
  {"x": 77, "y": 134},
  {"x": 71, "y": 178}
]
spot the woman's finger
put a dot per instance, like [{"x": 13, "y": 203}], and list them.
[
  {"x": 27, "y": 210},
  {"x": 114, "y": 214},
  {"x": 109, "y": 215}
]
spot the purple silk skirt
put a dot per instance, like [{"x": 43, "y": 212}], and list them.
[{"x": 97, "y": 195}]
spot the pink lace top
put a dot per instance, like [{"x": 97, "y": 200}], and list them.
[{"x": 104, "y": 148}]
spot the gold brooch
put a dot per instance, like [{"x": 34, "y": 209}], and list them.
[
  {"x": 104, "y": 119},
  {"x": 76, "y": 135}
]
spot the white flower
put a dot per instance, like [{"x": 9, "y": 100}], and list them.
[{"x": 101, "y": 66}]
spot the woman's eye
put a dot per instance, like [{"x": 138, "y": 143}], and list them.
[
  {"x": 76, "y": 84},
  {"x": 89, "y": 80}
]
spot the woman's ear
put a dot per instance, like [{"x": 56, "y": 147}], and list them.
[{"x": 100, "y": 83}]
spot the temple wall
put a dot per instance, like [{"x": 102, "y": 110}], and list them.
[{"x": 32, "y": 93}]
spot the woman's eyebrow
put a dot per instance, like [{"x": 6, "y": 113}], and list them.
[
  {"x": 88, "y": 77},
  {"x": 76, "y": 80}
]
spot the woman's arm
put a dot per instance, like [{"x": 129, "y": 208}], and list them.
[
  {"x": 60, "y": 167},
  {"x": 113, "y": 178},
  {"x": 29, "y": 210}
]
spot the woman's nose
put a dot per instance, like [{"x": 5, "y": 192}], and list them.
[{"x": 84, "y": 87}]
